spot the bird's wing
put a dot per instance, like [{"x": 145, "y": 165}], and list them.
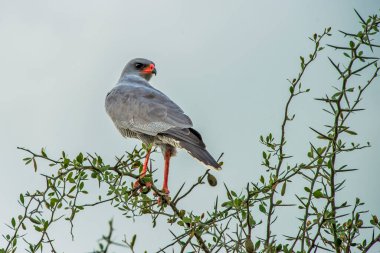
[{"x": 144, "y": 109}]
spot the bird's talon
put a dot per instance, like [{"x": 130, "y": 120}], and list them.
[
  {"x": 163, "y": 200},
  {"x": 165, "y": 191},
  {"x": 138, "y": 186}
]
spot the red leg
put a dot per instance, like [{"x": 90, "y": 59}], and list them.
[
  {"x": 145, "y": 166},
  {"x": 165, "y": 188},
  {"x": 144, "y": 169}
]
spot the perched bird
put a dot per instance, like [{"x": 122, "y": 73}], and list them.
[{"x": 140, "y": 111}]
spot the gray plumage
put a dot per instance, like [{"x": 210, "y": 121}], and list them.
[{"x": 140, "y": 111}]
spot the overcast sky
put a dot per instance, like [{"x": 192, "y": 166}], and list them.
[{"x": 224, "y": 62}]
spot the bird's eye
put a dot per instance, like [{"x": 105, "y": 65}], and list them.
[{"x": 138, "y": 65}]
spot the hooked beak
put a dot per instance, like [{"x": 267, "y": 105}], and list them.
[{"x": 151, "y": 69}]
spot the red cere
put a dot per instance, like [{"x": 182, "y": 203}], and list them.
[{"x": 149, "y": 69}]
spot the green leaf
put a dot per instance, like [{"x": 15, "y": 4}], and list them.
[
  {"x": 80, "y": 158},
  {"x": 66, "y": 162},
  {"x": 43, "y": 152},
  {"x": 237, "y": 202},
  {"x": 350, "y": 132},
  {"x": 374, "y": 220},
  {"x": 38, "y": 229},
  {"x": 53, "y": 201},
  {"x": 262, "y": 208},
  {"x": 34, "y": 220},
  {"x": 46, "y": 224},
  {"x": 133, "y": 241},
  {"x": 257, "y": 245},
  {"x": 72, "y": 189},
  {"x": 329, "y": 164},
  {"x": 34, "y": 164},
  {"x": 22, "y": 199},
  {"x": 318, "y": 194},
  {"x": 283, "y": 189},
  {"x": 13, "y": 222}
]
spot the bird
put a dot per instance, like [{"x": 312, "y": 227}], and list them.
[{"x": 140, "y": 111}]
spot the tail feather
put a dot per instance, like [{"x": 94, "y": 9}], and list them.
[
  {"x": 188, "y": 135},
  {"x": 201, "y": 154},
  {"x": 190, "y": 140}
]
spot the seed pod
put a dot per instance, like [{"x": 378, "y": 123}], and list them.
[
  {"x": 212, "y": 180},
  {"x": 249, "y": 246}
]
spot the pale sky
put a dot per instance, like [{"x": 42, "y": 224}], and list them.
[{"x": 224, "y": 62}]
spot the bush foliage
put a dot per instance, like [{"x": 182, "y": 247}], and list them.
[{"x": 327, "y": 223}]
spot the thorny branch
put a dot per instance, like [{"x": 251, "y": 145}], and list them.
[{"x": 231, "y": 226}]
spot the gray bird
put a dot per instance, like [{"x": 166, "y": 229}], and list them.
[{"x": 140, "y": 111}]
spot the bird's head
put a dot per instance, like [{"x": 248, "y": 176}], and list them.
[{"x": 141, "y": 67}]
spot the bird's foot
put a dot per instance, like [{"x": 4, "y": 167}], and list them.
[
  {"x": 138, "y": 186},
  {"x": 164, "y": 197}
]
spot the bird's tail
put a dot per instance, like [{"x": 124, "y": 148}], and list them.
[
  {"x": 201, "y": 154},
  {"x": 190, "y": 140}
]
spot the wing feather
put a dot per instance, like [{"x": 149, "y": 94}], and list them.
[{"x": 143, "y": 109}]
